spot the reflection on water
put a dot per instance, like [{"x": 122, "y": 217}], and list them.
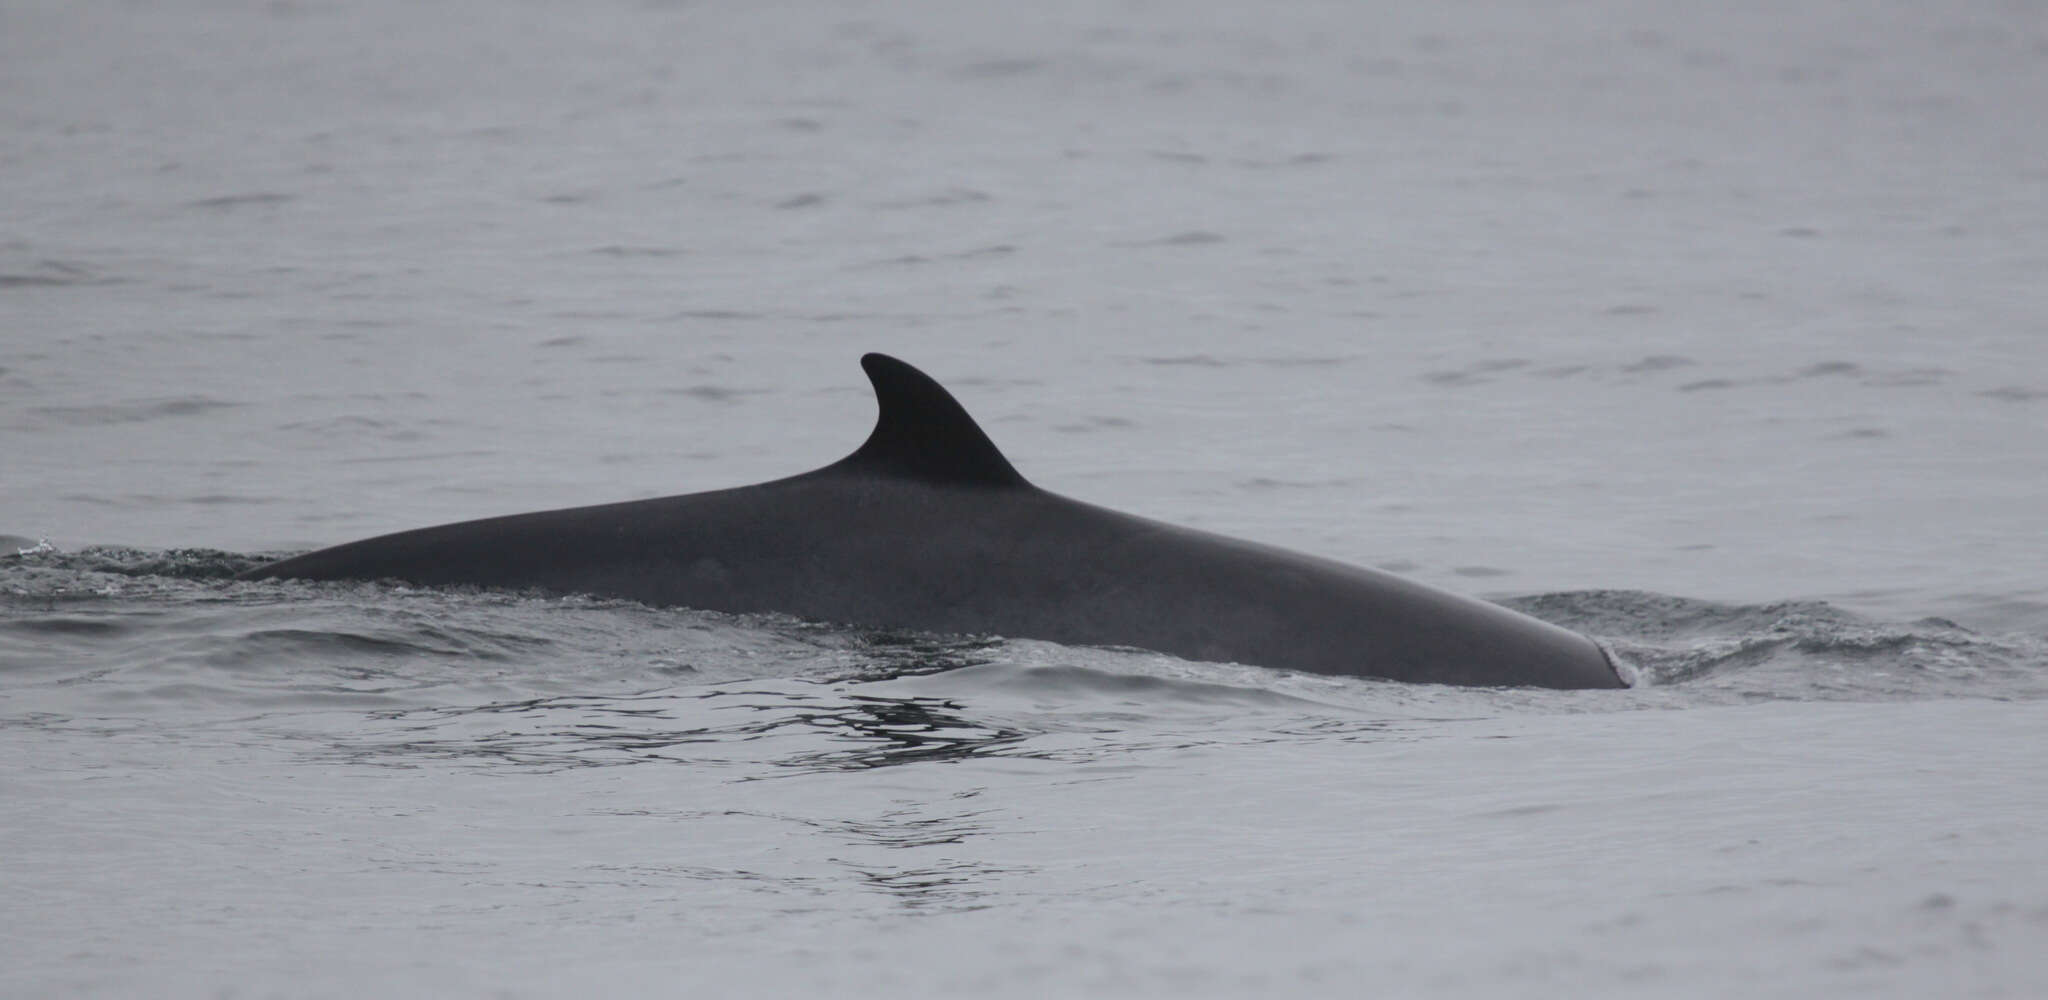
[
  {"x": 921, "y": 880},
  {"x": 796, "y": 729},
  {"x": 890, "y": 731},
  {"x": 916, "y": 852},
  {"x": 886, "y": 654},
  {"x": 951, "y": 887}
]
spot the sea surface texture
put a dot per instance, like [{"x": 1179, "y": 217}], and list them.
[{"x": 1718, "y": 332}]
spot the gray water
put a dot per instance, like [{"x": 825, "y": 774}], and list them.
[{"x": 1714, "y": 332}]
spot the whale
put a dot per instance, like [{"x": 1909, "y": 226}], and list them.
[{"x": 928, "y": 527}]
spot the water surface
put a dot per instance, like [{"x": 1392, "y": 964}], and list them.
[{"x": 1716, "y": 334}]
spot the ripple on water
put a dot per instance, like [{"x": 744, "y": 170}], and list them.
[{"x": 104, "y": 618}]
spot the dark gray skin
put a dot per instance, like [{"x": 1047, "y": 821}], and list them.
[{"x": 927, "y": 526}]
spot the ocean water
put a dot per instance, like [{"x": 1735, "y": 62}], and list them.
[{"x": 1716, "y": 333}]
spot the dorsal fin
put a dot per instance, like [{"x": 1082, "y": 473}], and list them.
[{"x": 924, "y": 433}]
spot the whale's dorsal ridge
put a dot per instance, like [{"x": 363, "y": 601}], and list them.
[
  {"x": 922, "y": 432},
  {"x": 927, "y": 527}
]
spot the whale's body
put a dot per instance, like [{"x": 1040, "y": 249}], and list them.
[{"x": 927, "y": 526}]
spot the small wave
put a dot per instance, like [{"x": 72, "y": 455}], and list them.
[
  {"x": 1798, "y": 649},
  {"x": 174, "y": 564},
  {"x": 269, "y": 644},
  {"x": 138, "y": 411},
  {"x": 62, "y": 625},
  {"x": 1075, "y": 683},
  {"x": 21, "y": 545}
]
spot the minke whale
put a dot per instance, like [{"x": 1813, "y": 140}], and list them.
[{"x": 927, "y": 526}]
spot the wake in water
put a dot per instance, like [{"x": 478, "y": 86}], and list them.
[
  {"x": 485, "y": 755},
  {"x": 114, "y": 609}
]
